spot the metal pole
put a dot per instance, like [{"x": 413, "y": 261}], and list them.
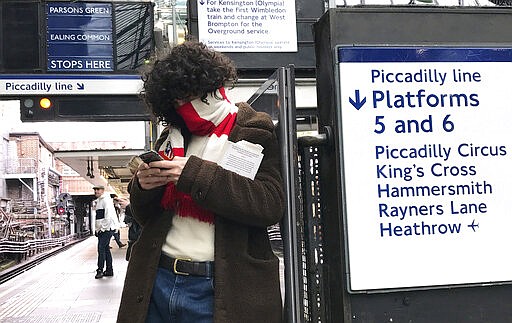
[
  {"x": 174, "y": 26},
  {"x": 45, "y": 196},
  {"x": 288, "y": 140},
  {"x": 148, "y": 143}
]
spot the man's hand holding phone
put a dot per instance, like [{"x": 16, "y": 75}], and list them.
[
  {"x": 150, "y": 156},
  {"x": 155, "y": 171}
]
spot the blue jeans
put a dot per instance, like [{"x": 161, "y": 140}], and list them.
[
  {"x": 104, "y": 255},
  {"x": 180, "y": 299}
]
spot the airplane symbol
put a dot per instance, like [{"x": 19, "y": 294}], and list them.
[{"x": 473, "y": 225}]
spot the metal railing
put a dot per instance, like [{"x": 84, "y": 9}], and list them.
[
  {"x": 32, "y": 247},
  {"x": 21, "y": 166}
]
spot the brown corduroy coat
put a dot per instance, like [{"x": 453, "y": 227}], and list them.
[{"x": 246, "y": 270}]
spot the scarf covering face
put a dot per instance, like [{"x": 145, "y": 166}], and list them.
[{"x": 210, "y": 124}]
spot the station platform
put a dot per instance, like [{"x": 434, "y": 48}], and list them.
[{"x": 62, "y": 288}]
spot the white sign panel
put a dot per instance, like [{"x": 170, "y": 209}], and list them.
[
  {"x": 48, "y": 84},
  {"x": 426, "y": 153},
  {"x": 248, "y": 25}
]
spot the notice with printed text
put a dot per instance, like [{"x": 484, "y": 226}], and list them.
[
  {"x": 247, "y": 25},
  {"x": 243, "y": 158}
]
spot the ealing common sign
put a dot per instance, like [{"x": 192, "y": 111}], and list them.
[{"x": 79, "y": 36}]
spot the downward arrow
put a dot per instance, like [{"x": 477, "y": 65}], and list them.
[
  {"x": 358, "y": 103},
  {"x": 80, "y": 86}
]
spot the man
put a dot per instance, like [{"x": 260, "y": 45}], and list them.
[
  {"x": 105, "y": 226},
  {"x": 203, "y": 255}
]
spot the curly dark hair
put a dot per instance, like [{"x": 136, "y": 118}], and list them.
[{"x": 188, "y": 70}]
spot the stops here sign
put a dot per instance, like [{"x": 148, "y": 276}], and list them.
[
  {"x": 426, "y": 158},
  {"x": 79, "y": 36}
]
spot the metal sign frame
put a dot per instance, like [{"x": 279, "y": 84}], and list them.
[{"x": 395, "y": 26}]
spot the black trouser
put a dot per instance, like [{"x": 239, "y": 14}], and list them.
[
  {"x": 117, "y": 237},
  {"x": 129, "y": 249}
]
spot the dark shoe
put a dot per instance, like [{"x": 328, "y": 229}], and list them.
[
  {"x": 108, "y": 273},
  {"x": 122, "y": 245},
  {"x": 99, "y": 274}
]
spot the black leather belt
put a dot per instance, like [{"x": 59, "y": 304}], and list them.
[{"x": 186, "y": 267}]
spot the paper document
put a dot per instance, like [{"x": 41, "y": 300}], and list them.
[{"x": 243, "y": 158}]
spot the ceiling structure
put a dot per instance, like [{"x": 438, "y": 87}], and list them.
[{"x": 101, "y": 167}]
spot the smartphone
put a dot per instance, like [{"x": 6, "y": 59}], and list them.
[{"x": 150, "y": 156}]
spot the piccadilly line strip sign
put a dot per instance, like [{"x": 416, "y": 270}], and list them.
[
  {"x": 426, "y": 161},
  {"x": 69, "y": 84}
]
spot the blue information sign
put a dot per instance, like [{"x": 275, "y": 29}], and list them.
[
  {"x": 79, "y": 37},
  {"x": 426, "y": 150}
]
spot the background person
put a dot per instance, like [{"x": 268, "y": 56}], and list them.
[
  {"x": 133, "y": 230},
  {"x": 117, "y": 231},
  {"x": 203, "y": 254},
  {"x": 133, "y": 227},
  {"x": 105, "y": 225}
]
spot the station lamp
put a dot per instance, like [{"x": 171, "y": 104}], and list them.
[
  {"x": 37, "y": 108},
  {"x": 45, "y": 103}
]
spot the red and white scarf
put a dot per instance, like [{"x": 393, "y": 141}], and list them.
[{"x": 210, "y": 124}]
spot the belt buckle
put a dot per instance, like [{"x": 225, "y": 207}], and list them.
[{"x": 175, "y": 263}]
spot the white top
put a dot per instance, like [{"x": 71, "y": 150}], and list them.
[
  {"x": 110, "y": 221},
  {"x": 190, "y": 238}
]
